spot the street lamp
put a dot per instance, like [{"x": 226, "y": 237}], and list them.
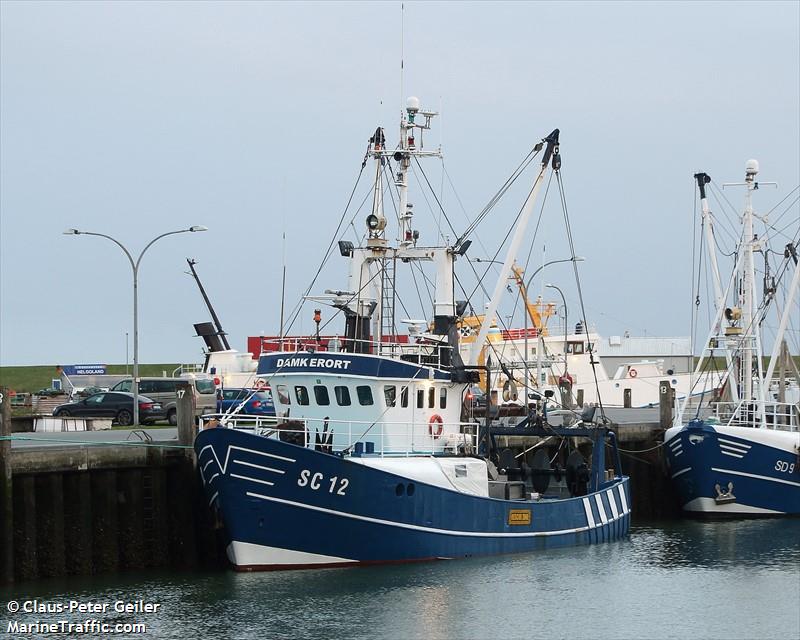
[
  {"x": 135, "y": 268},
  {"x": 527, "y": 287},
  {"x": 566, "y": 323}
]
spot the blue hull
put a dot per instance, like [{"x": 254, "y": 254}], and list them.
[
  {"x": 286, "y": 506},
  {"x": 734, "y": 471}
]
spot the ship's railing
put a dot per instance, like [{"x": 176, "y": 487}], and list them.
[
  {"x": 432, "y": 354},
  {"x": 187, "y": 368},
  {"x": 383, "y": 439},
  {"x": 779, "y": 415}
]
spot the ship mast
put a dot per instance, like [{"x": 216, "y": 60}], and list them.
[
  {"x": 719, "y": 298},
  {"x": 368, "y": 303},
  {"x": 746, "y": 297}
]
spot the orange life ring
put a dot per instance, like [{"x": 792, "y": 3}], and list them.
[
  {"x": 436, "y": 419},
  {"x": 633, "y": 373}
]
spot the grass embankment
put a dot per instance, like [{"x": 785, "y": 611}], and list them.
[{"x": 31, "y": 379}]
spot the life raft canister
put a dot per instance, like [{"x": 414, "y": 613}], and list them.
[{"x": 435, "y": 427}]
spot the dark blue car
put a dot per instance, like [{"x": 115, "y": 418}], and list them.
[{"x": 259, "y": 403}]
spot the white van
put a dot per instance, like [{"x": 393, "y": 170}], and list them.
[{"x": 163, "y": 390}]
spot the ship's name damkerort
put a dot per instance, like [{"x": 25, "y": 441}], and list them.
[{"x": 326, "y": 363}]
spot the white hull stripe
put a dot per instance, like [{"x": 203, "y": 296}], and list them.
[
  {"x": 589, "y": 515},
  {"x": 266, "y": 482},
  {"x": 232, "y": 447},
  {"x": 612, "y": 503},
  {"x": 414, "y": 527},
  {"x": 258, "y": 466},
  {"x": 600, "y": 509},
  {"x": 214, "y": 497},
  {"x": 732, "y": 455},
  {"x": 622, "y": 499},
  {"x": 757, "y": 477},
  {"x": 734, "y": 444},
  {"x": 680, "y": 473},
  {"x": 727, "y": 447}
]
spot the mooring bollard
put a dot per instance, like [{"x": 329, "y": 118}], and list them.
[
  {"x": 6, "y": 492},
  {"x": 186, "y": 408},
  {"x": 666, "y": 399}
]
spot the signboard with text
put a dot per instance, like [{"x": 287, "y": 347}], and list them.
[{"x": 85, "y": 370}]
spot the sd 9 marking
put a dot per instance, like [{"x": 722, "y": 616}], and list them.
[
  {"x": 317, "y": 481},
  {"x": 784, "y": 467}
]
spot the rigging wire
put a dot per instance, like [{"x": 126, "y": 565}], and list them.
[
  {"x": 501, "y": 192},
  {"x": 592, "y": 361},
  {"x": 296, "y": 312},
  {"x": 433, "y": 192}
]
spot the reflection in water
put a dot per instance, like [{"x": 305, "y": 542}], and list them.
[
  {"x": 684, "y": 579},
  {"x": 760, "y": 544}
]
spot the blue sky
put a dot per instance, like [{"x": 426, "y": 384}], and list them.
[{"x": 133, "y": 119}]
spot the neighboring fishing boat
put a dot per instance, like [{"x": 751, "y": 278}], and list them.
[
  {"x": 370, "y": 461},
  {"x": 744, "y": 458}
]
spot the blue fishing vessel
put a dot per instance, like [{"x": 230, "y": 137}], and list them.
[
  {"x": 740, "y": 455},
  {"x": 376, "y": 455}
]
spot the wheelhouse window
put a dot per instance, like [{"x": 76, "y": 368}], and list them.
[
  {"x": 404, "y": 397},
  {"x": 575, "y": 347},
  {"x": 420, "y": 398},
  {"x": 390, "y": 393},
  {"x": 301, "y": 393},
  {"x": 443, "y": 398},
  {"x": 364, "y": 395},
  {"x": 431, "y": 398},
  {"x": 321, "y": 395},
  {"x": 283, "y": 394},
  {"x": 342, "y": 394}
]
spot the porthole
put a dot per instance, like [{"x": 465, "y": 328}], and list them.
[
  {"x": 410, "y": 489},
  {"x": 400, "y": 489}
]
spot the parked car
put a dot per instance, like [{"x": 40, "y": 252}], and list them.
[
  {"x": 115, "y": 405},
  {"x": 259, "y": 403},
  {"x": 163, "y": 390},
  {"x": 475, "y": 398},
  {"x": 89, "y": 391}
]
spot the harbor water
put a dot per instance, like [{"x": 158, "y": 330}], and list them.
[{"x": 737, "y": 579}]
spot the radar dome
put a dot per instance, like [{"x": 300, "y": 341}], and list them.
[
  {"x": 751, "y": 168},
  {"x": 412, "y": 104}
]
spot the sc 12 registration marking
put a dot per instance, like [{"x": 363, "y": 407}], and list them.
[{"x": 315, "y": 482}]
